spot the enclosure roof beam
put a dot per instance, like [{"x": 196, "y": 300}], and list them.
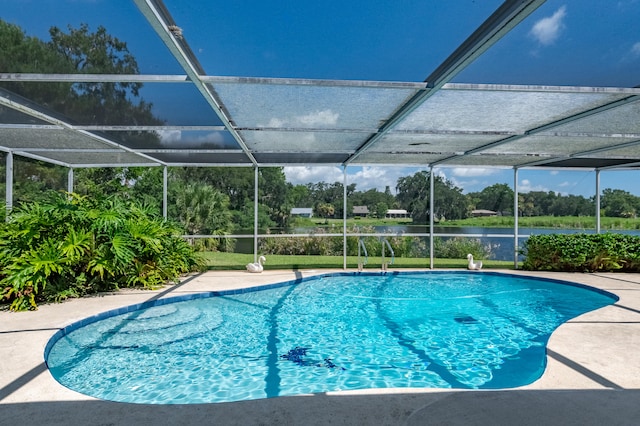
[
  {"x": 164, "y": 25},
  {"x": 547, "y": 127},
  {"x": 15, "y": 105},
  {"x": 503, "y": 20}
]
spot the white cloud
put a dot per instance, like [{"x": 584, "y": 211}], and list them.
[
  {"x": 464, "y": 184},
  {"x": 635, "y": 49},
  {"x": 547, "y": 30},
  {"x": 168, "y": 137},
  {"x": 215, "y": 137},
  {"x": 304, "y": 175},
  {"x": 473, "y": 171},
  {"x": 553, "y": 172},
  {"x": 174, "y": 138},
  {"x": 276, "y": 122},
  {"x": 378, "y": 178},
  {"x": 319, "y": 118},
  {"x": 324, "y": 118},
  {"x": 441, "y": 173},
  {"x": 526, "y": 186},
  {"x": 365, "y": 178}
]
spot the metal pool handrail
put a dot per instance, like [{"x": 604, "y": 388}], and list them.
[
  {"x": 393, "y": 255},
  {"x": 366, "y": 256}
]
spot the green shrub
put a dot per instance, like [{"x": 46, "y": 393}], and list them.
[
  {"x": 459, "y": 248},
  {"x": 582, "y": 252},
  {"x": 417, "y": 247},
  {"x": 317, "y": 246},
  {"x": 71, "y": 245}
]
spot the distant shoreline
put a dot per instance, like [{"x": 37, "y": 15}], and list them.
[{"x": 550, "y": 222}]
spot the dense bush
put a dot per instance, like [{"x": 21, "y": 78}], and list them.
[
  {"x": 460, "y": 247},
  {"x": 71, "y": 245},
  {"x": 447, "y": 248},
  {"x": 333, "y": 246},
  {"x": 317, "y": 246},
  {"x": 582, "y": 252}
]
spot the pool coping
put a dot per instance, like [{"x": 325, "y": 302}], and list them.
[{"x": 595, "y": 352}]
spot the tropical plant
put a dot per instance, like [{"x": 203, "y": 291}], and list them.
[{"x": 72, "y": 245}]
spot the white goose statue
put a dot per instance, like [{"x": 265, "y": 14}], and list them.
[
  {"x": 473, "y": 265},
  {"x": 256, "y": 267}
]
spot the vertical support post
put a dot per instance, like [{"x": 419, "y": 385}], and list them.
[
  {"x": 515, "y": 218},
  {"x": 70, "y": 180},
  {"x": 255, "y": 214},
  {"x": 344, "y": 218},
  {"x": 164, "y": 192},
  {"x": 597, "y": 201},
  {"x": 431, "y": 209},
  {"x": 9, "y": 183}
]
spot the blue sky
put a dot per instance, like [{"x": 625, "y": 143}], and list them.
[{"x": 564, "y": 42}]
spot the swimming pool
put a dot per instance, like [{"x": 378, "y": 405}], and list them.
[{"x": 327, "y": 333}]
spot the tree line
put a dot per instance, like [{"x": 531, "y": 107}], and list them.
[{"x": 215, "y": 200}]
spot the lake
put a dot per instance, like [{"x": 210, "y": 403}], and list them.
[{"x": 502, "y": 247}]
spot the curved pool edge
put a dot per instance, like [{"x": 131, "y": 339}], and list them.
[
  {"x": 28, "y": 393},
  {"x": 200, "y": 295},
  {"x": 299, "y": 279}
]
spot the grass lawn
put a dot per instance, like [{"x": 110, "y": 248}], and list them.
[
  {"x": 226, "y": 261},
  {"x": 558, "y": 222}
]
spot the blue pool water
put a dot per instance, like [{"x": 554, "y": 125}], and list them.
[{"x": 328, "y": 333}]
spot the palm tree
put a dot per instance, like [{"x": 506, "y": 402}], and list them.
[{"x": 203, "y": 209}]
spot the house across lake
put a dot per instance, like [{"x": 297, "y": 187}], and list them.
[
  {"x": 396, "y": 213},
  {"x": 302, "y": 212},
  {"x": 483, "y": 213}
]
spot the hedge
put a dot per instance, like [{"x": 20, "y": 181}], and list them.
[{"x": 582, "y": 253}]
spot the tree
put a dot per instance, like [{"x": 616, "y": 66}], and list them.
[
  {"x": 449, "y": 201},
  {"x": 237, "y": 183},
  {"x": 298, "y": 195},
  {"x": 34, "y": 179},
  {"x": 23, "y": 54},
  {"x": 78, "y": 51},
  {"x": 498, "y": 198},
  {"x": 572, "y": 205},
  {"x": 102, "y": 102},
  {"x": 203, "y": 209},
  {"x": 272, "y": 190},
  {"x": 381, "y": 210},
  {"x": 413, "y": 196},
  {"x": 325, "y": 193},
  {"x": 373, "y": 198},
  {"x": 74, "y": 51},
  {"x": 325, "y": 210},
  {"x": 526, "y": 205},
  {"x": 619, "y": 203},
  {"x": 146, "y": 187},
  {"x": 412, "y": 192}
]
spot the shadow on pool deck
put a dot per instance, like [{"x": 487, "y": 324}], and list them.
[
  {"x": 592, "y": 376},
  {"x": 517, "y": 407}
]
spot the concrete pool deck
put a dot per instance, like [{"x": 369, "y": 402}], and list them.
[{"x": 592, "y": 376}]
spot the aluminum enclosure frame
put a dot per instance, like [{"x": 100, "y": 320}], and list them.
[{"x": 570, "y": 127}]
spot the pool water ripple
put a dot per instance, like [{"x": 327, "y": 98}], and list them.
[{"x": 339, "y": 332}]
